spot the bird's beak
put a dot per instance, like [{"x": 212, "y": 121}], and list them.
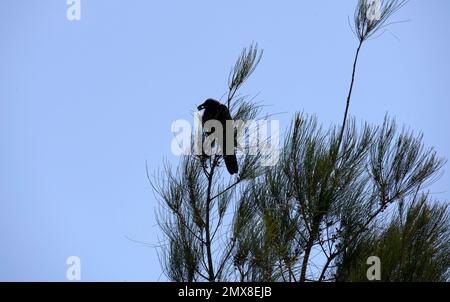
[{"x": 201, "y": 107}]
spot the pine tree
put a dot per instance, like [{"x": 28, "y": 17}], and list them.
[{"x": 336, "y": 197}]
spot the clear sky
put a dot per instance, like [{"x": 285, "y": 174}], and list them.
[{"x": 84, "y": 104}]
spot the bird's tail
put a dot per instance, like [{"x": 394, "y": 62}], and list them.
[{"x": 231, "y": 163}]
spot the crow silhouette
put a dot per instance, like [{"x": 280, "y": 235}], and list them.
[{"x": 217, "y": 111}]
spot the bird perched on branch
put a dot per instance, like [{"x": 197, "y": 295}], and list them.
[{"x": 217, "y": 111}]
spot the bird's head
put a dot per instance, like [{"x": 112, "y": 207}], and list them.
[{"x": 209, "y": 103}]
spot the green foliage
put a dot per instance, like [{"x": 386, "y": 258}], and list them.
[
  {"x": 414, "y": 246},
  {"x": 365, "y": 27},
  {"x": 327, "y": 205},
  {"x": 312, "y": 201},
  {"x": 196, "y": 198},
  {"x": 243, "y": 69}
]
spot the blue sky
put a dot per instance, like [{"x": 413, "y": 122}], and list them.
[{"x": 84, "y": 104}]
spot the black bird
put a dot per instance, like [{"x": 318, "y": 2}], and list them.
[{"x": 217, "y": 111}]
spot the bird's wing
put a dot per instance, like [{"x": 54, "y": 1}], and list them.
[{"x": 224, "y": 114}]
